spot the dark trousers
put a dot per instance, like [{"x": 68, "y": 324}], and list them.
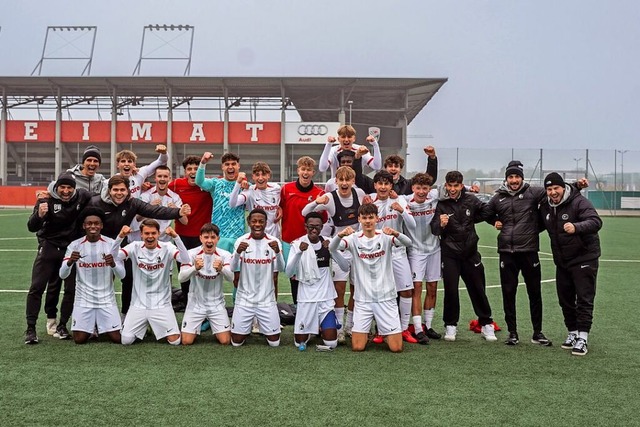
[
  {"x": 471, "y": 271},
  {"x": 294, "y": 290},
  {"x": 127, "y": 285},
  {"x": 576, "y": 288},
  {"x": 189, "y": 243},
  {"x": 511, "y": 264},
  {"x": 44, "y": 276},
  {"x": 66, "y": 307}
]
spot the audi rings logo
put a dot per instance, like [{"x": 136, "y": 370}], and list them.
[{"x": 312, "y": 130}]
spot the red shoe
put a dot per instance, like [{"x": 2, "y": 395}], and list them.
[
  {"x": 378, "y": 339},
  {"x": 407, "y": 337}
]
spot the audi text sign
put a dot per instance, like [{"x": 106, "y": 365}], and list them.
[
  {"x": 153, "y": 132},
  {"x": 309, "y": 132}
]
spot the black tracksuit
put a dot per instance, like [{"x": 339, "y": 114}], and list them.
[
  {"x": 518, "y": 246},
  {"x": 575, "y": 255},
  {"x": 460, "y": 256},
  {"x": 117, "y": 216},
  {"x": 54, "y": 231}
]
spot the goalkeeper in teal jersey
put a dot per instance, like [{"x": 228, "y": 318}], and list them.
[{"x": 230, "y": 220}]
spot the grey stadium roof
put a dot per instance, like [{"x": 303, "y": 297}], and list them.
[{"x": 379, "y": 101}]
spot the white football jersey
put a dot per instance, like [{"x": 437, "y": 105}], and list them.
[
  {"x": 256, "y": 265},
  {"x": 422, "y": 240},
  {"x": 315, "y": 289},
  {"x": 151, "y": 273},
  {"x": 94, "y": 277},
  {"x": 165, "y": 200},
  {"x": 205, "y": 290},
  {"x": 267, "y": 199},
  {"x": 371, "y": 266},
  {"x": 373, "y": 161},
  {"x": 388, "y": 217}
]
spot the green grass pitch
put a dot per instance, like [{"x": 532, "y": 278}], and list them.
[{"x": 468, "y": 382}]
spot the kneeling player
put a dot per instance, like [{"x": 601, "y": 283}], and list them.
[
  {"x": 375, "y": 289},
  {"x": 316, "y": 293},
  {"x": 95, "y": 299},
  {"x": 151, "y": 296},
  {"x": 256, "y": 255},
  {"x": 207, "y": 265}
]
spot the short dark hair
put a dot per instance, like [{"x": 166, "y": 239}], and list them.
[
  {"x": 394, "y": 159},
  {"x": 229, "y": 156},
  {"x": 117, "y": 180},
  {"x": 209, "y": 228},
  {"x": 383, "y": 176},
  {"x": 92, "y": 211},
  {"x": 367, "y": 209},
  {"x": 311, "y": 215},
  {"x": 454, "y": 177},
  {"x": 422, "y": 178},
  {"x": 257, "y": 211},
  {"x": 149, "y": 222},
  {"x": 163, "y": 168},
  {"x": 190, "y": 160}
]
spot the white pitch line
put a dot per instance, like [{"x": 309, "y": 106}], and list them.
[{"x": 18, "y": 238}]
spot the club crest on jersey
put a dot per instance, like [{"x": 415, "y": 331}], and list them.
[
  {"x": 501, "y": 264},
  {"x": 301, "y": 327},
  {"x": 309, "y": 198},
  {"x": 159, "y": 260},
  {"x": 124, "y": 213},
  {"x": 57, "y": 207},
  {"x": 378, "y": 246},
  {"x": 547, "y": 217},
  {"x": 266, "y": 253},
  {"x": 565, "y": 217},
  {"x": 184, "y": 325},
  {"x": 468, "y": 212},
  {"x": 521, "y": 196}
]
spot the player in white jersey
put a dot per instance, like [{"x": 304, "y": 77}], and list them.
[
  {"x": 424, "y": 254},
  {"x": 394, "y": 213},
  {"x": 342, "y": 206},
  {"x": 206, "y": 268},
  {"x": 346, "y": 139},
  {"x": 256, "y": 255},
  {"x": 160, "y": 195},
  {"x": 371, "y": 266},
  {"x": 151, "y": 296},
  {"x": 95, "y": 299},
  {"x": 310, "y": 261}
]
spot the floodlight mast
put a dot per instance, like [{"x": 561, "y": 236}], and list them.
[
  {"x": 166, "y": 43},
  {"x": 73, "y": 43}
]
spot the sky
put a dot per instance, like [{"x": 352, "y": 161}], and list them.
[{"x": 543, "y": 74}]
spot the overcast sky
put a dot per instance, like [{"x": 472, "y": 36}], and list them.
[{"x": 538, "y": 74}]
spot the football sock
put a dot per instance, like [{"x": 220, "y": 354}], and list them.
[
  {"x": 583, "y": 335},
  {"x": 340, "y": 314},
  {"x": 405, "y": 312},
  {"x": 349, "y": 321},
  {"x": 275, "y": 343},
  {"x": 417, "y": 324},
  {"x": 332, "y": 343},
  {"x": 428, "y": 317}
]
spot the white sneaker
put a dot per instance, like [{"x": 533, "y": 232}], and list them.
[
  {"x": 450, "y": 333},
  {"x": 52, "y": 324},
  {"x": 347, "y": 330},
  {"x": 488, "y": 333},
  {"x": 341, "y": 337},
  {"x": 255, "y": 329}
]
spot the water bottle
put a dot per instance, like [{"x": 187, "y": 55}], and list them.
[{"x": 302, "y": 346}]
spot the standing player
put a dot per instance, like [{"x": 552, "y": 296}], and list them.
[
  {"x": 375, "y": 290},
  {"x": 573, "y": 225},
  {"x": 294, "y": 196},
  {"x": 256, "y": 255},
  {"x": 207, "y": 265},
  {"x": 454, "y": 222},
  {"x": 346, "y": 139},
  {"x": 310, "y": 261},
  {"x": 230, "y": 220},
  {"x": 342, "y": 206},
  {"x": 126, "y": 164},
  {"x": 423, "y": 254},
  {"x": 53, "y": 220},
  {"x": 151, "y": 296},
  {"x": 192, "y": 195},
  {"x": 95, "y": 299},
  {"x": 86, "y": 173},
  {"x": 395, "y": 214}
]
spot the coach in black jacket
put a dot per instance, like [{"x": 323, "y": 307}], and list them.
[
  {"x": 573, "y": 225},
  {"x": 53, "y": 220},
  {"x": 120, "y": 209},
  {"x": 454, "y": 221}
]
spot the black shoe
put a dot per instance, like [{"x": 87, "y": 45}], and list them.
[
  {"x": 30, "y": 337},
  {"x": 580, "y": 348},
  {"x": 513, "y": 339},
  {"x": 422, "y": 338},
  {"x": 433, "y": 334},
  {"x": 62, "y": 332},
  {"x": 570, "y": 342},
  {"x": 539, "y": 338}
]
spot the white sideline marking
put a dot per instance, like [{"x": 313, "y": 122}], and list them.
[{"x": 18, "y": 238}]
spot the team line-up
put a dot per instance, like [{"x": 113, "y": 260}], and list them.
[{"x": 387, "y": 236}]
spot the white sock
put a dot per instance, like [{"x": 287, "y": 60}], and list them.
[
  {"x": 583, "y": 335},
  {"x": 405, "y": 312},
  {"x": 127, "y": 339},
  {"x": 176, "y": 342},
  {"x": 574, "y": 332},
  {"x": 428, "y": 317},
  {"x": 237, "y": 344},
  {"x": 417, "y": 324},
  {"x": 349, "y": 322},
  {"x": 340, "y": 314},
  {"x": 331, "y": 344},
  {"x": 275, "y": 343}
]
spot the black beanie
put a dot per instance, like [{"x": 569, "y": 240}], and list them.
[
  {"x": 553, "y": 178},
  {"x": 66, "y": 178},
  {"x": 514, "y": 167},
  {"x": 92, "y": 151}
]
